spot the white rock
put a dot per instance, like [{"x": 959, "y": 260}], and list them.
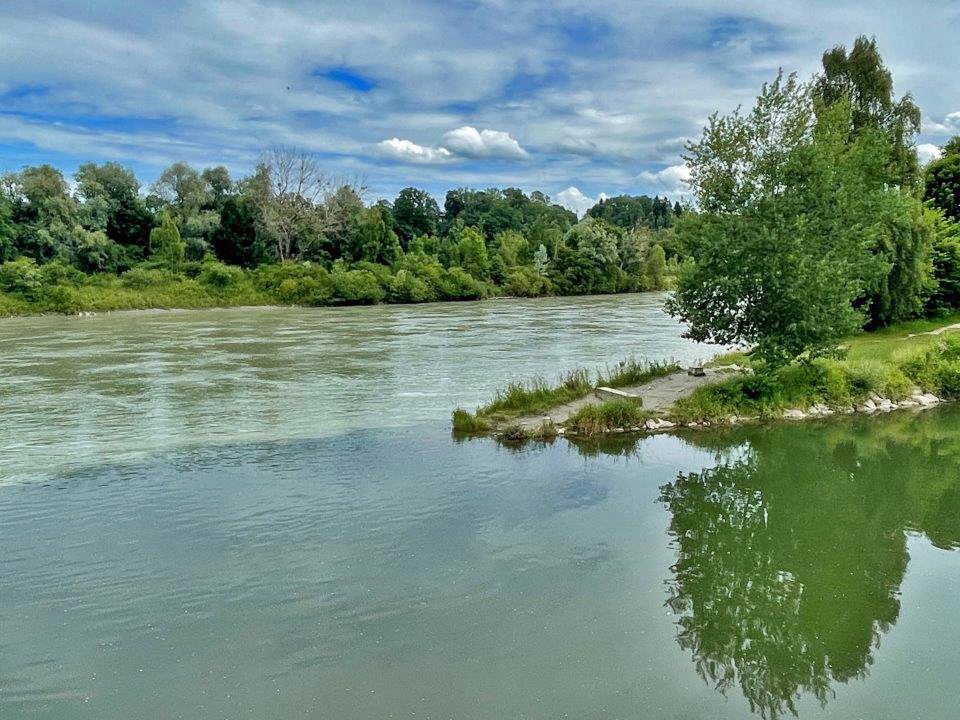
[
  {"x": 667, "y": 424},
  {"x": 794, "y": 414},
  {"x": 561, "y": 431},
  {"x": 928, "y": 399},
  {"x": 650, "y": 425}
]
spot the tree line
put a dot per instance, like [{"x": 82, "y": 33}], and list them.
[
  {"x": 300, "y": 235},
  {"x": 814, "y": 217}
]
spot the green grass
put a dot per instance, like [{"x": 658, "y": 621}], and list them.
[
  {"x": 888, "y": 364},
  {"x": 634, "y": 372},
  {"x": 465, "y": 423},
  {"x": 598, "y": 419},
  {"x": 535, "y": 397}
]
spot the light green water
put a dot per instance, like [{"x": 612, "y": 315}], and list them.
[{"x": 262, "y": 514}]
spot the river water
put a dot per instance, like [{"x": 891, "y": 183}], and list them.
[{"x": 261, "y": 513}]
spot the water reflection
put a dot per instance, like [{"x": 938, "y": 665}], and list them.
[{"x": 790, "y": 557}]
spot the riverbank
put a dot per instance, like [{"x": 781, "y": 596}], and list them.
[
  {"x": 56, "y": 290},
  {"x": 910, "y": 365}
]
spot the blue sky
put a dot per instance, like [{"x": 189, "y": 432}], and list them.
[{"x": 574, "y": 100}]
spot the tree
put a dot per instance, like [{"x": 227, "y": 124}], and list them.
[
  {"x": 372, "y": 238},
  {"x": 182, "y": 188},
  {"x": 777, "y": 264},
  {"x": 473, "y": 253},
  {"x": 415, "y": 213},
  {"x": 166, "y": 243},
  {"x": 218, "y": 183},
  {"x": 291, "y": 211},
  {"x": 861, "y": 78},
  {"x": 114, "y": 190},
  {"x": 655, "y": 268},
  {"x": 942, "y": 180}
]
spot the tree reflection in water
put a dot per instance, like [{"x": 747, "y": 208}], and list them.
[{"x": 790, "y": 557}]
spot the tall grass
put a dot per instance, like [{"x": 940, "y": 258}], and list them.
[
  {"x": 536, "y": 396},
  {"x": 634, "y": 372},
  {"x": 604, "y": 417}
]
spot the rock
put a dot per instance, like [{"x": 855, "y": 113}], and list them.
[
  {"x": 886, "y": 404},
  {"x": 561, "y": 431},
  {"x": 847, "y": 410},
  {"x": 733, "y": 420},
  {"x": 665, "y": 424},
  {"x": 908, "y": 403},
  {"x": 929, "y": 399},
  {"x": 617, "y": 430},
  {"x": 650, "y": 425},
  {"x": 794, "y": 414},
  {"x": 868, "y": 406}
]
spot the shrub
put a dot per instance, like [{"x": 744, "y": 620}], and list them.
[
  {"x": 141, "y": 278},
  {"x": 215, "y": 274},
  {"x": 62, "y": 299},
  {"x": 357, "y": 287},
  {"x": 526, "y": 282},
  {"x": 21, "y": 276},
  {"x": 407, "y": 287}
]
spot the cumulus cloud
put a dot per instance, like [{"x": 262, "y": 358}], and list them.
[
  {"x": 927, "y": 153},
  {"x": 948, "y": 126},
  {"x": 464, "y": 142},
  {"x": 469, "y": 142},
  {"x": 576, "y": 201},
  {"x": 407, "y": 151},
  {"x": 672, "y": 180}
]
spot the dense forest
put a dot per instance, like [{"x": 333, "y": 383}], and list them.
[{"x": 290, "y": 233}]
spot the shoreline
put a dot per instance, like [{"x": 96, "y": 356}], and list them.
[
  {"x": 915, "y": 365},
  {"x": 280, "y": 306}
]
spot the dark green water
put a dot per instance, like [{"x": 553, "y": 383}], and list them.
[{"x": 382, "y": 569}]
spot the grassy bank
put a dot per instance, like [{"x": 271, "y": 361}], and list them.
[
  {"x": 520, "y": 399},
  {"x": 891, "y": 364}
]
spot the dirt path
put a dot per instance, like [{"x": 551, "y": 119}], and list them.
[
  {"x": 938, "y": 331},
  {"x": 658, "y": 395}
]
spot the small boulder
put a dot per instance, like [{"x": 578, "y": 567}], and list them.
[{"x": 794, "y": 414}]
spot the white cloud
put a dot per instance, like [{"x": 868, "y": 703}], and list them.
[
  {"x": 673, "y": 179},
  {"x": 573, "y": 199},
  {"x": 469, "y": 142},
  {"x": 949, "y": 126},
  {"x": 407, "y": 151},
  {"x": 927, "y": 152}
]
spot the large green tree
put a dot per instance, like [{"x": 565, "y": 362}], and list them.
[
  {"x": 942, "y": 180},
  {"x": 779, "y": 263},
  {"x": 860, "y": 78},
  {"x": 415, "y": 213}
]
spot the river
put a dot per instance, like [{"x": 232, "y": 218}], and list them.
[{"x": 262, "y": 513}]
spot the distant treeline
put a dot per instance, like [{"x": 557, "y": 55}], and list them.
[{"x": 291, "y": 233}]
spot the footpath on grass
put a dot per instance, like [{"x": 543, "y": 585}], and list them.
[{"x": 911, "y": 365}]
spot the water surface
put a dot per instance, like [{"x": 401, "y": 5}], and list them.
[{"x": 180, "y": 554}]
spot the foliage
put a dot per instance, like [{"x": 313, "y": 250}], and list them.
[
  {"x": 859, "y": 77},
  {"x": 166, "y": 245},
  {"x": 942, "y": 182},
  {"x": 801, "y": 238},
  {"x": 465, "y": 423}
]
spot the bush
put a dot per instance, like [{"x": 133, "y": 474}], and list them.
[
  {"x": 58, "y": 272},
  {"x": 217, "y": 275},
  {"x": 357, "y": 287},
  {"x": 21, "y": 276},
  {"x": 62, "y": 299},
  {"x": 526, "y": 282},
  {"x": 141, "y": 278},
  {"x": 408, "y": 288}
]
